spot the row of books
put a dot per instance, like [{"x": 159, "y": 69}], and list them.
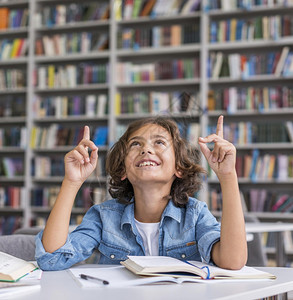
[
  {"x": 12, "y": 106},
  {"x": 127, "y": 9},
  {"x": 11, "y": 167},
  {"x": 243, "y": 133},
  {"x": 158, "y": 36},
  {"x": 44, "y": 166},
  {"x": 56, "y": 136},
  {"x": 91, "y": 105},
  {"x": 50, "y": 166},
  {"x": 12, "y": 48},
  {"x": 68, "y": 43},
  {"x": 261, "y": 167},
  {"x": 263, "y": 200},
  {"x": 53, "y": 166},
  {"x": 128, "y": 72},
  {"x": 61, "y": 14},
  {"x": 157, "y": 103},
  {"x": 13, "y": 137},
  {"x": 227, "y": 5},
  {"x": 256, "y": 200},
  {"x": 11, "y": 196},
  {"x": 53, "y": 76},
  {"x": 12, "y": 78},
  {"x": 237, "y": 66},
  {"x": 13, "y": 18},
  {"x": 9, "y": 224},
  {"x": 86, "y": 197},
  {"x": 265, "y": 27},
  {"x": 250, "y": 98}
]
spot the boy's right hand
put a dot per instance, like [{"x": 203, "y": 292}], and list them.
[{"x": 78, "y": 164}]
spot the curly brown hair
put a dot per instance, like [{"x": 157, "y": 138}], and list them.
[{"x": 186, "y": 157}]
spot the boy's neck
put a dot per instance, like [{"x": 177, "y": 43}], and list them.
[{"x": 149, "y": 206}]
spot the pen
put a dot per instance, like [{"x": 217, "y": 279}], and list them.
[{"x": 91, "y": 278}]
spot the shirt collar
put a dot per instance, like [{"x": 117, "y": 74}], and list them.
[
  {"x": 128, "y": 214},
  {"x": 170, "y": 211}
]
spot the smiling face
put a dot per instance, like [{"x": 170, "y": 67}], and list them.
[{"x": 150, "y": 157}]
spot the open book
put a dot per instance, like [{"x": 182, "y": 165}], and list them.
[
  {"x": 13, "y": 268},
  {"x": 168, "y": 266}
]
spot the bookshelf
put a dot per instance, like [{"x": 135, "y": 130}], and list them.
[
  {"x": 13, "y": 101},
  {"x": 99, "y": 65},
  {"x": 255, "y": 35}
]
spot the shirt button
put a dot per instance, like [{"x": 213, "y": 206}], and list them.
[
  {"x": 112, "y": 256},
  {"x": 183, "y": 255}
]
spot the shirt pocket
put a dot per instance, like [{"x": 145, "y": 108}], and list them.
[
  {"x": 184, "y": 251},
  {"x": 113, "y": 253}
]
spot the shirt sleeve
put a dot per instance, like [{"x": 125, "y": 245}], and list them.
[
  {"x": 79, "y": 245},
  {"x": 208, "y": 233}
]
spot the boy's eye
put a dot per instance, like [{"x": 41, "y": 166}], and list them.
[
  {"x": 135, "y": 143},
  {"x": 160, "y": 142}
]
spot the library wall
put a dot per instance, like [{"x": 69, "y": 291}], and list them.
[{"x": 64, "y": 65}]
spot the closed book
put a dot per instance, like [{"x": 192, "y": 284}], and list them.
[
  {"x": 281, "y": 61},
  {"x": 289, "y": 127},
  {"x": 218, "y": 65},
  {"x": 4, "y": 17},
  {"x": 147, "y": 8},
  {"x": 90, "y": 107},
  {"x": 280, "y": 201},
  {"x": 100, "y": 136}
]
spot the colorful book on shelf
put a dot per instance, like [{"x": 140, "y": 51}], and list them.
[
  {"x": 100, "y": 136},
  {"x": 164, "y": 265},
  {"x": 147, "y": 8},
  {"x": 279, "y": 202},
  {"x": 289, "y": 127},
  {"x": 281, "y": 61},
  {"x": 4, "y": 17},
  {"x": 288, "y": 65},
  {"x": 137, "y": 5},
  {"x": 218, "y": 65}
]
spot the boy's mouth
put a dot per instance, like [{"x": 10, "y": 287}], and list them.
[{"x": 145, "y": 163}]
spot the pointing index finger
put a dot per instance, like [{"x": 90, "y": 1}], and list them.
[
  {"x": 220, "y": 126},
  {"x": 86, "y": 133}
]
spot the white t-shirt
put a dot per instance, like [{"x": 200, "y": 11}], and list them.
[{"x": 150, "y": 236}]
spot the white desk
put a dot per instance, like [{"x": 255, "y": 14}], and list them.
[
  {"x": 279, "y": 229},
  {"x": 61, "y": 286}
]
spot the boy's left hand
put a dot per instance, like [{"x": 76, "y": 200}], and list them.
[{"x": 222, "y": 158}]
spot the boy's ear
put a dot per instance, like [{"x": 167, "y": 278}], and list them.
[{"x": 178, "y": 174}]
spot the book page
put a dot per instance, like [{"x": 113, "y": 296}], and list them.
[
  {"x": 118, "y": 276},
  {"x": 9, "y": 264},
  {"x": 245, "y": 272},
  {"x": 156, "y": 261}
]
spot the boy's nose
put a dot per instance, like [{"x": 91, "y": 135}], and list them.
[{"x": 146, "y": 149}]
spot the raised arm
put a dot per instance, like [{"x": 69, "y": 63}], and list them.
[
  {"x": 78, "y": 166},
  {"x": 231, "y": 251}
]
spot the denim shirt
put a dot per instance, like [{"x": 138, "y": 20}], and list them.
[{"x": 185, "y": 233}]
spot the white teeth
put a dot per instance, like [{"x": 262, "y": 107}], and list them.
[{"x": 147, "y": 163}]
